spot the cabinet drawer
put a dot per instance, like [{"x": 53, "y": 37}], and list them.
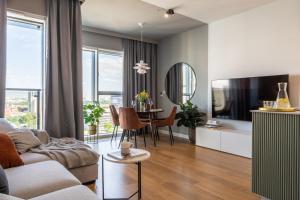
[
  {"x": 208, "y": 138},
  {"x": 239, "y": 144}
]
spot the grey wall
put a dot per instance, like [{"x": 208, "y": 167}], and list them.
[
  {"x": 190, "y": 47},
  {"x": 37, "y": 7},
  {"x": 101, "y": 41}
]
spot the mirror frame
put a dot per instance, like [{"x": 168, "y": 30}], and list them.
[{"x": 196, "y": 84}]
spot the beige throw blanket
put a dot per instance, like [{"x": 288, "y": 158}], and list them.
[{"x": 69, "y": 152}]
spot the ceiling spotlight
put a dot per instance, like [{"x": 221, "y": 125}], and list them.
[{"x": 169, "y": 12}]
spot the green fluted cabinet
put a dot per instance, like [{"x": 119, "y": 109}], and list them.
[{"x": 276, "y": 155}]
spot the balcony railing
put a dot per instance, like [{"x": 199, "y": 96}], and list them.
[
  {"x": 23, "y": 107},
  {"x": 106, "y": 125}
]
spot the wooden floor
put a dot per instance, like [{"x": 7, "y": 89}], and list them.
[{"x": 178, "y": 172}]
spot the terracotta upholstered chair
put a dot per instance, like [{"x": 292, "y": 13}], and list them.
[
  {"x": 129, "y": 122},
  {"x": 169, "y": 122},
  {"x": 115, "y": 119}
]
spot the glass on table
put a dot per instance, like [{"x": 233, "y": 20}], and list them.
[
  {"x": 133, "y": 103},
  {"x": 268, "y": 104}
]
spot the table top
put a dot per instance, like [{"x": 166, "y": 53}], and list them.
[
  {"x": 151, "y": 111},
  {"x": 129, "y": 160}
]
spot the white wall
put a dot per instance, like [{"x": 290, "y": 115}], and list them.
[
  {"x": 190, "y": 47},
  {"x": 262, "y": 41}
]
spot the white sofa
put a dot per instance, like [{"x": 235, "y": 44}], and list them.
[
  {"x": 86, "y": 174},
  {"x": 46, "y": 180}
]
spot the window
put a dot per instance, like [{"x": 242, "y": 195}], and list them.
[
  {"x": 110, "y": 85},
  {"x": 89, "y": 68},
  {"x": 103, "y": 81},
  {"x": 24, "y": 74}
]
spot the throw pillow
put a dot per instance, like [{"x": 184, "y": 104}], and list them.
[
  {"x": 5, "y": 126},
  {"x": 24, "y": 139},
  {"x": 9, "y": 156},
  {"x": 3, "y": 182},
  {"x": 42, "y": 135}
]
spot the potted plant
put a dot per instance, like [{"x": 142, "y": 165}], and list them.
[
  {"x": 92, "y": 112},
  {"x": 142, "y": 97},
  {"x": 191, "y": 117}
]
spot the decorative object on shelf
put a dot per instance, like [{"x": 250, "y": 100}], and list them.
[
  {"x": 141, "y": 66},
  {"x": 282, "y": 101},
  {"x": 169, "y": 13},
  {"x": 269, "y": 104},
  {"x": 142, "y": 98},
  {"x": 92, "y": 112},
  {"x": 213, "y": 124},
  {"x": 191, "y": 117},
  {"x": 278, "y": 109}
]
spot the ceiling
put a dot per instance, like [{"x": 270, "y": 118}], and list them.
[
  {"x": 208, "y": 10},
  {"x": 122, "y": 16}
]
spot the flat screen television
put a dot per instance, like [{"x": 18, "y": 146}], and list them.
[{"x": 234, "y": 98}]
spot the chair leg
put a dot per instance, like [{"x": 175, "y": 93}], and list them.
[
  {"x": 122, "y": 138},
  {"x": 170, "y": 134},
  {"x": 157, "y": 133},
  {"x": 116, "y": 134},
  {"x": 135, "y": 132},
  {"x": 112, "y": 137},
  {"x": 128, "y": 135},
  {"x": 143, "y": 132}
]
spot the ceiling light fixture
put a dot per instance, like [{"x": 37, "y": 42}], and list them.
[
  {"x": 169, "y": 13},
  {"x": 141, "y": 66}
]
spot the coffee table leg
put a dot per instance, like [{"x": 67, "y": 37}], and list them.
[
  {"x": 102, "y": 178},
  {"x": 140, "y": 180}
]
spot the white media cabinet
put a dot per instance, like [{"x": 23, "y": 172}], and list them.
[{"x": 237, "y": 142}]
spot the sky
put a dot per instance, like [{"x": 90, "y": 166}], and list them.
[{"x": 24, "y": 56}]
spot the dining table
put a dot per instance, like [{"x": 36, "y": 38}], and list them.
[{"x": 150, "y": 115}]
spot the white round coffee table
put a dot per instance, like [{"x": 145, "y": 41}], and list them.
[{"x": 135, "y": 160}]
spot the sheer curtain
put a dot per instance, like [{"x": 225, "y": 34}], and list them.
[
  {"x": 63, "y": 115},
  {"x": 2, "y": 56},
  {"x": 134, "y": 82}
]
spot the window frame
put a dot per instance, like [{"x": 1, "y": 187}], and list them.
[
  {"x": 95, "y": 81},
  {"x": 41, "y": 22},
  {"x": 110, "y": 52}
]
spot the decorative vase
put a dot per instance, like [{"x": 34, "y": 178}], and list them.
[
  {"x": 282, "y": 101},
  {"x": 92, "y": 129},
  {"x": 142, "y": 106},
  {"x": 192, "y": 135}
]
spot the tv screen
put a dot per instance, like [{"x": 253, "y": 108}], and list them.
[{"x": 234, "y": 98}]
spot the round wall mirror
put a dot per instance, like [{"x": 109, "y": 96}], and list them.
[{"x": 180, "y": 83}]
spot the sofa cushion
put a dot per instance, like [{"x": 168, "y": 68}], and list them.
[
  {"x": 37, "y": 179},
  {"x": 29, "y": 157},
  {"x": 3, "y": 182},
  {"x": 8, "y": 197},
  {"x": 9, "y": 156},
  {"x": 5, "y": 126},
  {"x": 79, "y": 192},
  {"x": 42, "y": 135},
  {"x": 24, "y": 139}
]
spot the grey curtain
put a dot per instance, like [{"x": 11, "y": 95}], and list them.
[
  {"x": 63, "y": 115},
  {"x": 134, "y": 82},
  {"x": 2, "y": 56},
  {"x": 174, "y": 84}
]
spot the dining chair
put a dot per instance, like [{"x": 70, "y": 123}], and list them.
[
  {"x": 130, "y": 123},
  {"x": 115, "y": 120},
  {"x": 169, "y": 122}
]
